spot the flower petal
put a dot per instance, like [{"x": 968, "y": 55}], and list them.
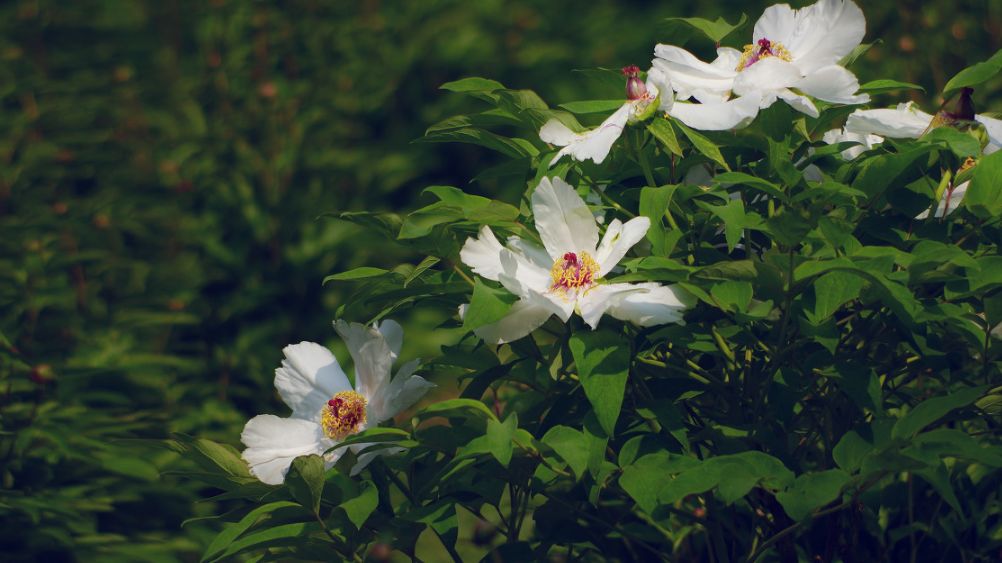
[
  {"x": 531, "y": 252},
  {"x": 903, "y": 122},
  {"x": 619, "y": 238},
  {"x": 596, "y": 301},
  {"x": 721, "y": 116},
  {"x": 372, "y": 355},
  {"x": 273, "y": 442},
  {"x": 777, "y": 24},
  {"x": 771, "y": 73},
  {"x": 994, "y": 129},
  {"x": 482, "y": 254},
  {"x": 657, "y": 81},
  {"x": 525, "y": 316},
  {"x": 654, "y": 305},
  {"x": 393, "y": 333},
  {"x": 594, "y": 144},
  {"x": 825, "y": 32},
  {"x": 563, "y": 220},
  {"x": 308, "y": 377},
  {"x": 948, "y": 203},
  {"x": 833, "y": 84},
  {"x": 520, "y": 276},
  {"x": 692, "y": 77},
  {"x": 803, "y": 104}
]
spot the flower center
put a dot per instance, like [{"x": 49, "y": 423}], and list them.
[
  {"x": 635, "y": 87},
  {"x": 573, "y": 272},
  {"x": 343, "y": 414},
  {"x": 764, "y": 48}
]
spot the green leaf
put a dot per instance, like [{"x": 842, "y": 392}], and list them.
[
  {"x": 645, "y": 477},
  {"x": 285, "y": 534},
  {"x": 358, "y": 274},
  {"x": 603, "y": 362},
  {"x": 742, "y": 179},
  {"x": 833, "y": 290},
  {"x": 735, "y": 220},
  {"x": 716, "y": 30},
  {"x": 474, "y": 86},
  {"x": 233, "y": 531},
  {"x": 361, "y": 507},
  {"x": 571, "y": 445},
  {"x": 469, "y": 406},
  {"x": 732, "y": 296},
  {"x": 975, "y": 74},
  {"x": 374, "y": 435},
  {"x": 984, "y": 195},
  {"x": 931, "y": 410},
  {"x": 488, "y": 305},
  {"x": 811, "y": 491},
  {"x": 306, "y": 481},
  {"x": 511, "y": 147},
  {"x": 665, "y": 134},
  {"x": 705, "y": 146},
  {"x": 499, "y": 436},
  {"x": 223, "y": 456},
  {"x": 421, "y": 268},
  {"x": 850, "y": 451},
  {"x": 593, "y": 106},
  {"x": 887, "y": 85}
]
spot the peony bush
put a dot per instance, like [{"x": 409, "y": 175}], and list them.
[{"x": 736, "y": 315}]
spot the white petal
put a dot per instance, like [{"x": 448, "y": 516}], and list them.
[
  {"x": 556, "y": 133},
  {"x": 482, "y": 254},
  {"x": 690, "y": 75},
  {"x": 273, "y": 442},
  {"x": 948, "y": 203},
  {"x": 520, "y": 276},
  {"x": 803, "y": 104},
  {"x": 770, "y": 73},
  {"x": 524, "y": 317},
  {"x": 393, "y": 333},
  {"x": 594, "y": 144},
  {"x": 994, "y": 129},
  {"x": 563, "y": 220},
  {"x": 777, "y": 24},
  {"x": 308, "y": 377},
  {"x": 904, "y": 122},
  {"x": 372, "y": 355},
  {"x": 658, "y": 80},
  {"x": 722, "y": 116},
  {"x": 619, "y": 238},
  {"x": 833, "y": 84},
  {"x": 655, "y": 305},
  {"x": 825, "y": 32},
  {"x": 866, "y": 142},
  {"x": 531, "y": 252},
  {"x": 596, "y": 301}
]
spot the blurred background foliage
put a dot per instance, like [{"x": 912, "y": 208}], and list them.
[{"x": 163, "y": 164}]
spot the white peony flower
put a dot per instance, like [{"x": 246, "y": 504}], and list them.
[
  {"x": 794, "y": 54},
  {"x": 325, "y": 408},
  {"x": 643, "y": 98},
  {"x": 567, "y": 275}
]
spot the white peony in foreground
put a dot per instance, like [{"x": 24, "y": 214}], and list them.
[
  {"x": 643, "y": 99},
  {"x": 567, "y": 275},
  {"x": 794, "y": 54},
  {"x": 325, "y": 408}
]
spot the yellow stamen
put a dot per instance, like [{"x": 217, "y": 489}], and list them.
[
  {"x": 343, "y": 415},
  {"x": 573, "y": 271},
  {"x": 755, "y": 52}
]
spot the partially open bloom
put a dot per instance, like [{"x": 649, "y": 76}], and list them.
[
  {"x": 568, "y": 274},
  {"x": 793, "y": 54},
  {"x": 325, "y": 407},
  {"x": 643, "y": 98}
]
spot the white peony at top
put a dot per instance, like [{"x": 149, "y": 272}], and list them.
[
  {"x": 793, "y": 56},
  {"x": 325, "y": 407},
  {"x": 567, "y": 275}
]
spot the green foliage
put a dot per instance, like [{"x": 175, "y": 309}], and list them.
[{"x": 833, "y": 393}]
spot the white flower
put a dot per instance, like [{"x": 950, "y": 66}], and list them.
[
  {"x": 567, "y": 275},
  {"x": 793, "y": 53},
  {"x": 909, "y": 122},
  {"x": 596, "y": 143},
  {"x": 325, "y": 408},
  {"x": 906, "y": 121}
]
